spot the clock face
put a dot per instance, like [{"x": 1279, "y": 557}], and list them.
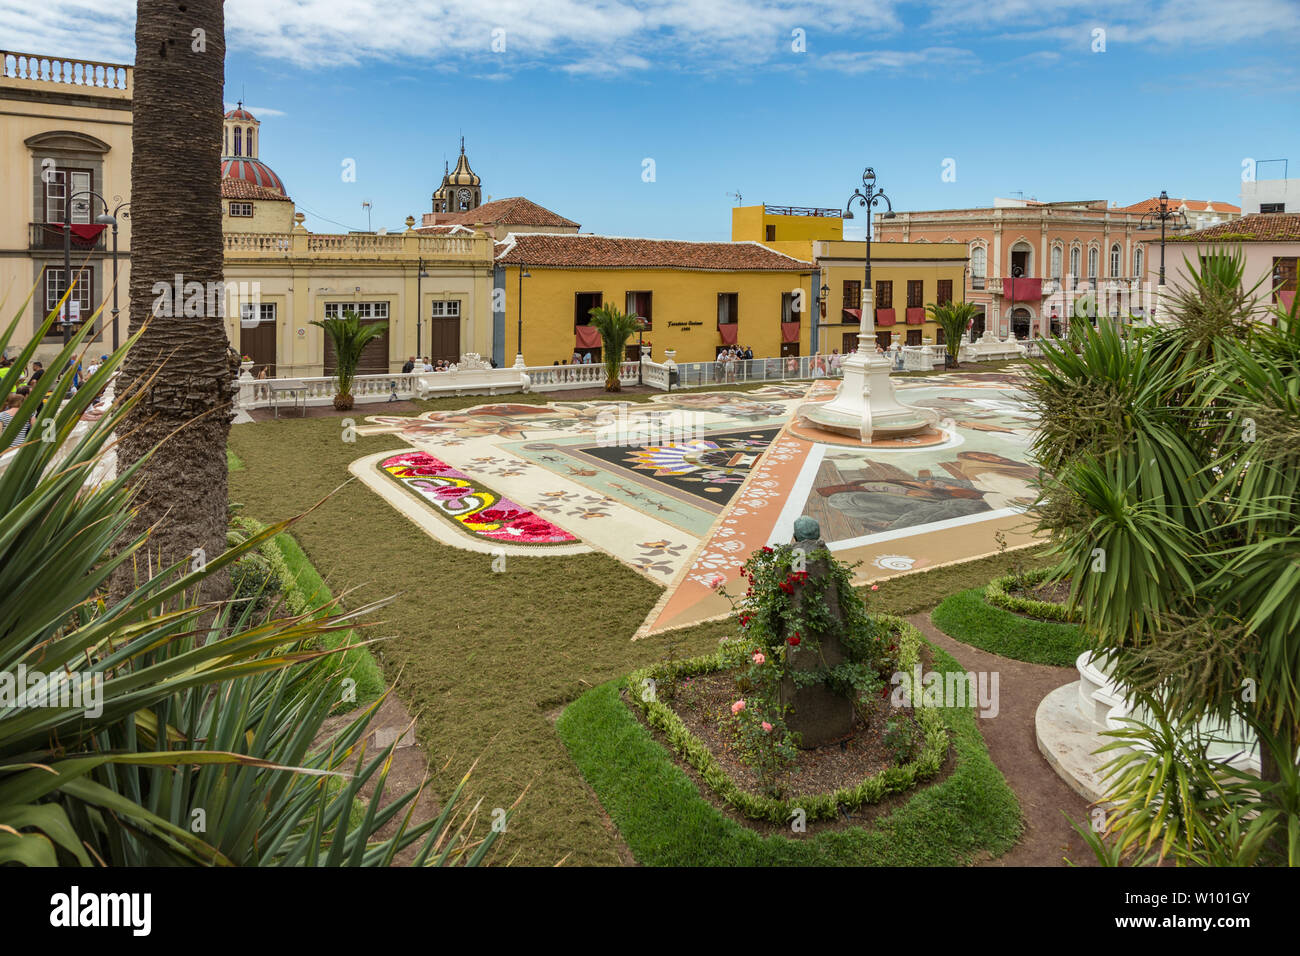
[{"x": 464, "y": 195}]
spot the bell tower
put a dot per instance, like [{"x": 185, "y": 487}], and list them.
[{"x": 464, "y": 188}]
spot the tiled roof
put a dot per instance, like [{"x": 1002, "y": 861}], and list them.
[
  {"x": 1257, "y": 227},
  {"x": 1193, "y": 205},
  {"x": 515, "y": 211},
  {"x": 243, "y": 189},
  {"x": 252, "y": 170},
  {"x": 586, "y": 251}
]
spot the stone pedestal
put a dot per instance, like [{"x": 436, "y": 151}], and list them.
[{"x": 819, "y": 715}]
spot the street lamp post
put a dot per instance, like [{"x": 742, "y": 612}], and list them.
[
  {"x": 1016, "y": 273},
  {"x": 519, "y": 332},
  {"x": 1173, "y": 219},
  {"x": 110, "y": 219},
  {"x": 868, "y": 196},
  {"x": 107, "y": 219},
  {"x": 419, "y": 314}
]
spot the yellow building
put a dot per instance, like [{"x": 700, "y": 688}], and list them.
[
  {"x": 906, "y": 276},
  {"x": 65, "y": 155},
  {"x": 697, "y": 297}
]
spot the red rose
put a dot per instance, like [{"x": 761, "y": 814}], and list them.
[{"x": 794, "y": 641}]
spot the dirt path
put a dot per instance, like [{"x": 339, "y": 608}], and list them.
[{"x": 1048, "y": 839}]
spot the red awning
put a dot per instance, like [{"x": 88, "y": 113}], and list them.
[
  {"x": 1027, "y": 290},
  {"x": 854, "y": 314},
  {"x": 586, "y": 337},
  {"x": 728, "y": 332},
  {"x": 915, "y": 315},
  {"x": 789, "y": 331},
  {"x": 885, "y": 317}
]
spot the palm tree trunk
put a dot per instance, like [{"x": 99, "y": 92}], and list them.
[{"x": 176, "y": 232}]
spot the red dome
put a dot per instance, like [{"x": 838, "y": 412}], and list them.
[
  {"x": 240, "y": 114},
  {"x": 251, "y": 170}
]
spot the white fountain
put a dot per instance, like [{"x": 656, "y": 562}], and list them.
[{"x": 865, "y": 405}]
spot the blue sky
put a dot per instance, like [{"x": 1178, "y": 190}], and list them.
[{"x": 1018, "y": 93}]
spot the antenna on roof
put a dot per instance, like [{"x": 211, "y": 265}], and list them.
[{"x": 736, "y": 196}]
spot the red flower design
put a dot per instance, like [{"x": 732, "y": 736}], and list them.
[{"x": 793, "y": 641}]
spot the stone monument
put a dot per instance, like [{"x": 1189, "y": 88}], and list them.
[{"x": 817, "y": 713}]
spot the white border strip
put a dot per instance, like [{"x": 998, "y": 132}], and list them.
[{"x": 882, "y": 536}]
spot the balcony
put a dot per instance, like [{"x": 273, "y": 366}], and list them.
[
  {"x": 83, "y": 76},
  {"x": 43, "y": 235}
]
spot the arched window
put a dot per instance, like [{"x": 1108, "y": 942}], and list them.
[
  {"x": 249, "y": 142},
  {"x": 1056, "y": 263},
  {"x": 1116, "y": 260},
  {"x": 1075, "y": 259},
  {"x": 978, "y": 266},
  {"x": 1137, "y": 261},
  {"x": 1093, "y": 256},
  {"x": 238, "y": 141}
]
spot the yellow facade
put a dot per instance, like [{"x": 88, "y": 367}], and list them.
[
  {"x": 684, "y": 309},
  {"x": 788, "y": 229},
  {"x": 65, "y": 126},
  {"x": 896, "y": 263}
]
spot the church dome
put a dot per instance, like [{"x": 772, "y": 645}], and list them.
[
  {"x": 239, "y": 113},
  {"x": 462, "y": 175},
  {"x": 251, "y": 170}
]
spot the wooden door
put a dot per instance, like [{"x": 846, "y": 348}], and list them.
[
  {"x": 258, "y": 343},
  {"x": 374, "y": 357},
  {"x": 444, "y": 338}
]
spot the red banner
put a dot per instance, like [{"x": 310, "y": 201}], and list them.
[
  {"x": 885, "y": 317},
  {"x": 1286, "y": 298},
  {"x": 854, "y": 314},
  {"x": 915, "y": 315},
  {"x": 586, "y": 337},
  {"x": 1026, "y": 289},
  {"x": 83, "y": 233},
  {"x": 789, "y": 331},
  {"x": 728, "y": 332}
]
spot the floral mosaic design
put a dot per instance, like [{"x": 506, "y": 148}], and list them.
[{"x": 477, "y": 510}]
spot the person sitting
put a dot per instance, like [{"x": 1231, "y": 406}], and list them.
[
  {"x": 409, "y": 367},
  {"x": 577, "y": 358},
  {"x": 426, "y": 365},
  {"x": 12, "y": 403},
  {"x": 586, "y": 358}
]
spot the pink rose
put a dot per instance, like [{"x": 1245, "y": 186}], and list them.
[
  {"x": 759, "y": 658},
  {"x": 738, "y": 706},
  {"x": 875, "y": 587},
  {"x": 767, "y": 728}
]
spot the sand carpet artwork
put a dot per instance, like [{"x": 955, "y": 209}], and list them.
[{"x": 684, "y": 487}]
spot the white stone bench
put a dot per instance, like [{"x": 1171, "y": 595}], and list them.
[{"x": 491, "y": 381}]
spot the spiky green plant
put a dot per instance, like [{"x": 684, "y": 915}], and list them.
[
  {"x": 955, "y": 319},
  {"x": 350, "y": 336},
  {"x": 615, "y": 328},
  {"x": 172, "y": 706}
]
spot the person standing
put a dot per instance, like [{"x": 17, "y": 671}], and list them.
[
  {"x": 409, "y": 367},
  {"x": 10, "y": 410}
]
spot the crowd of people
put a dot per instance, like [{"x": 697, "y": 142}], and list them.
[
  {"x": 417, "y": 363},
  {"x": 34, "y": 377}
]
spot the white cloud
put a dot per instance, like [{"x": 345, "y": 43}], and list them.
[
  {"x": 258, "y": 111},
  {"x": 931, "y": 59}
]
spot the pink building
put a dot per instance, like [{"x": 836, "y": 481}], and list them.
[
  {"x": 1270, "y": 244},
  {"x": 1031, "y": 261}
]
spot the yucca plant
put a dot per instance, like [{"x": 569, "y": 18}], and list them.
[
  {"x": 350, "y": 337},
  {"x": 120, "y": 718},
  {"x": 615, "y": 328},
  {"x": 1172, "y": 498},
  {"x": 955, "y": 319}
]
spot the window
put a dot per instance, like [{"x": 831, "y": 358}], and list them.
[
  {"x": 944, "y": 295},
  {"x": 788, "y": 311},
  {"x": 913, "y": 337},
  {"x": 770, "y": 233},
  {"x": 978, "y": 265},
  {"x": 1075, "y": 259},
  {"x": 446, "y": 309},
  {"x": 241, "y": 209},
  {"x": 1116, "y": 261},
  {"x": 59, "y": 185},
  {"x": 79, "y": 307},
  {"x": 1137, "y": 261},
  {"x": 583, "y": 303},
  {"x": 728, "y": 307},
  {"x": 852, "y": 293},
  {"x": 1094, "y": 254},
  {"x": 884, "y": 294},
  {"x": 915, "y": 293},
  {"x": 1285, "y": 269},
  {"x": 1272, "y": 207},
  {"x": 1020, "y": 259},
  {"x": 1056, "y": 263},
  {"x": 642, "y": 304},
  {"x": 364, "y": 310},
  {"x": 264, "y": 311},
  {"x": 248, "y": 142},
  {"x": 239, "y": 141}
]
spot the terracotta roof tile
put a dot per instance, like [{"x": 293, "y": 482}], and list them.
[
  {"x": 587, "y": 251},
  {"x": 515, "y": 211},
  {"x": 243, "y": 189},
  {"x": 1257, "y": 227},
  {"x": 1193, "y": 205}
]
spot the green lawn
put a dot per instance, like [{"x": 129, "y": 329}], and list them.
[
  {"x": 968, "y": 618},
  {"x": 484, "y": 660},
  {"x": 666, "y": 822}
]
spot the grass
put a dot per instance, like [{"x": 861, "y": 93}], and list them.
[
  {"x": 968, "y": 618},
  {"x": 232, "y": 461},
  {"x": 665, "y": 821},
  {"x": 484, "y": 660}
]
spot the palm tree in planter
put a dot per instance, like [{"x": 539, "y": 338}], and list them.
[
  {"x": 350, "y": 338},
  {"x": 615, "y": 328},
  {"x": 954, "y": 318}
]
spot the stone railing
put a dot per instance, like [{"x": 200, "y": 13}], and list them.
[
  {"x": 90, "y": 75},
  {"x": 404, "y": 245},
  {"x": 554, "y": 378},
  {"x": 257, "y": 393}
]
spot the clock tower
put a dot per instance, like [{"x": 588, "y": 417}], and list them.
[{"x": 461, "y": 189}]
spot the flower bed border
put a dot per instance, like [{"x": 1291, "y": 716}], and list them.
[
  {"x": 819, "y": 806},
  {"x": 998, "y": 595}
]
